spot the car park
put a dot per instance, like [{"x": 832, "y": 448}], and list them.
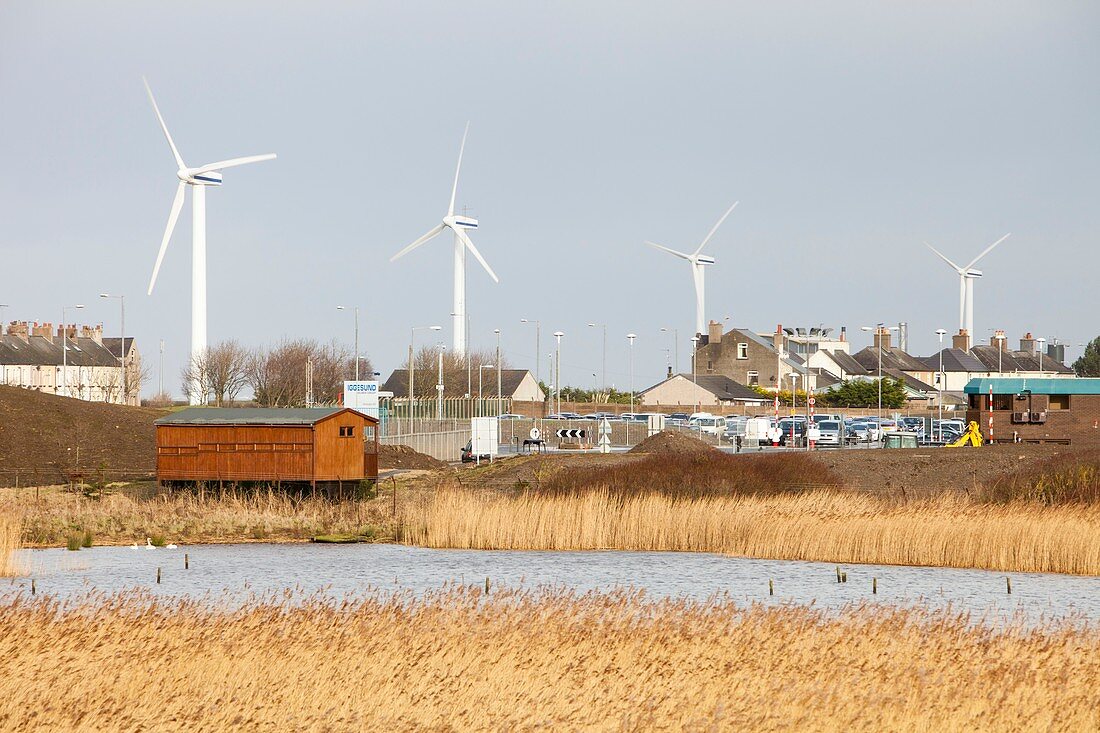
[
  {"x": 707, "y": 423},
  {"x": 735, "y": 426},
  {"x": 830, "y": 432},
  {"x": 791, "y": 428},
  {"x": 912, "y": 424}
]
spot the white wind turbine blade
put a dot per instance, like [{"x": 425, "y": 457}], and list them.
[
  {"x": 233, "y": 162},
  {"x": 164, "y": 127},
  {"x": 987, "y": 250},
  {"x": 670, "y": 251},
  {"x": 957, "y": 269},
  {"x": 473, "y": 250},
  {"x": 433, "y": 233},
  {"x": 454, "y": 188},
  {"x": 712, "y": 231},
  {"x": 177, "y": 204}
]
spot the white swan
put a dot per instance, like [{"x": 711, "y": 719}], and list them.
[
  {"x": 134, "y": 546},
  {"x": 169, "y": 547},
  {"x": 149, "y": 544}
]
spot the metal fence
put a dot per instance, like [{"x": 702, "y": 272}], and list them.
[{"x": 444, "y": 445}]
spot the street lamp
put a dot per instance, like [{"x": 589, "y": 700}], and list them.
[
  {"x": 1041, "y": 341},
  {"x": 631, "y": 337},
  {"x": 438, "y": 386},
  {"x": 604, "y": 327},
  {"x": 65, "y": 349},
  {"x": 939, "y": 381},
  {"x": 497, "y": 332},
  {"x": 480, "y": 367},
  {"x": 999, "y": 338},
  {"x": 341, "y": 308},
  {"x": 557, "y": 369},
  {"x": 122, "y": 346},
  {"x": 880, "y": 330},
  {"x": 794, "y": 387},
  {"x": 694, "y": 378},
  {"x": 412, "y": 372},
  {"x": 538, "y": 328},
  {"x": 676, "y": 346}
]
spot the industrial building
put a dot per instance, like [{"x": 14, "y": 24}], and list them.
[{"x": 1037, "y": 410}]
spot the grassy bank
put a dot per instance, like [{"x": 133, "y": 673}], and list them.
[
  {"x": 121, "y": 518},
  {"x": 455, "y": 662},
  {"x": 817, "y": 525}
]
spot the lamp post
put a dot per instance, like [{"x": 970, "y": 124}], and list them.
[
  {"x": 675, "y": 345},
  {"x": 412, "y": 372},
  {"x": 939, "y": 381},
  {"x": 630, "y": 337},
  {"x": 604, "y": 327},
  {"x": 999, "y": 338},
  {"x": 499, "y": 403},
  {"x": 341, "y": 308},
  {"x": 1041, "y": 341},
  {"x": 880, "y": 330},
  {"x": 557, "y": 369},
  {"x": 122, "y": 346},
  {"x": 538, "y": 328},
  {"x": 480, "y": 372},
  {"x": 160, "y": 371},
  {"x": 438, "y": 386},
  {"x": 65, "y": 349},
  {"x": 794, "y": 387},
  {"x": 694, "y": 378}
]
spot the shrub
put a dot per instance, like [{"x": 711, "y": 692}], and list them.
[
  {"x": 74, "y": 541},
  {"x": 86, "y": 539},
  {"x": 693, "y": 475},
  {"x": 158, "y": 540},
  {"x": 1072, "y": 478}
]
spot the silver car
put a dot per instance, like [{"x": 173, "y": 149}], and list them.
[{"x": 830, "y": 432}]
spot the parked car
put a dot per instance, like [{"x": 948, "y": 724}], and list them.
[
  {"x": 707, "y": 423},
  {"x": 912, "y": 424},
  {"x": 789, "y": 426},
  {"x": 735, "y": 426},
  {"x": 863, "y": 431},
  {"x": 830, "y": 432},
  {"x": 468, "y": 453},
  {"x": 554, "y": 416},
  {"x": 509, "y": 416}
]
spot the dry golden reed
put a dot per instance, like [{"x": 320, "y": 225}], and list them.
[
  {"x": 820, "y": 525},
  {"x": 542, "y": 661},
  {"x": 11, "y": 527}
]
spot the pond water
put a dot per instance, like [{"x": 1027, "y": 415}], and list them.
[{"x": 234, "y": 572}]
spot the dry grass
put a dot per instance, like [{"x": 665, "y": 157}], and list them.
[
  {"x": 705, "y": 472},
  {"x": 819, "y": 525},
  {"x": 11, "y": 528},
  {"x": 118, "y": 518},
  {"x": 1072, "y": 478},
  {"x": 549, "y": 661}
]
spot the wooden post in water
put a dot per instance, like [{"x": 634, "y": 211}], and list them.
[
  {"x": 186, "y": 561},
  {"x": 33, "y": 590},
  {"x": 771, "y": 587},
  {"x": 844, "y": 577},
  {"x": 486, "y": 586},
  {"x": 838, "y": 574},
  {"x": 874, "y": 585},
  {"x": 158, "y": 576},
  {"x": 394, "y": 480},
  {"x": 1008, "y": 584}
]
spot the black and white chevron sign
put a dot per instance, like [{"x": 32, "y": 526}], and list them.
[{"x": 571, "y": 433}]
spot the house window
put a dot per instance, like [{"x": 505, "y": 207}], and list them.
[
  {"x": 753, "y": 379},
  {"x": 742, "y": 351},
  {"x": 1058, "y": 402},
  {"x": 347, "y": 431}
]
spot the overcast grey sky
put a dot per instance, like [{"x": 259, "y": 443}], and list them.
[{"x": 850, "y": 132}]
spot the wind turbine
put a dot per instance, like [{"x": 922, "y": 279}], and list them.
[
  {"x": 198, "y": 178},
  {"x": 458, "y": 225},
  {"x": 697, "y": 261},
  {"x": 967, "y": 276}
]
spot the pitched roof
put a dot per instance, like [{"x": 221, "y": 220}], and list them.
[
  {"x": 41, "y": 351},
  {"x": 792, "y": 360},
  {"x": 111, "y": 344},
  {"x": 723, "y": 388},
  {"x": 892, "y": 358},
  {"x": 954, "y": 360},
  {"x": 251, "y": 415},
  {"x": 1017, "y": 361},
  {"x": 847, "y": 362},
  {"x": 510, "y": 380},
  {"x": 909, "y": 381}
]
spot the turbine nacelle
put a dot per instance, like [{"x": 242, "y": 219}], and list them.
[
  {"x": 461, "y": 222},
  {"x": 972, "y": 273},
  {"x": 704, "y": 260},
  {"x": 205, "y": 178}
]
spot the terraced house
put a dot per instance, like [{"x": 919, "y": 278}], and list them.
[{"x": 74, "y": 360}]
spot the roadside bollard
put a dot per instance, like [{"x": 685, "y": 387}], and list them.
[{"x": 874, "y": 585}]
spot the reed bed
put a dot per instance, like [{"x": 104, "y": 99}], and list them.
[
  {"x": 235, "y": 516},
  {"x": 948, "y": 531},
  {"x": 1071, "y": 478},
  {"x": 549, "y": 660},
  {"x": 11, "y": 529}
]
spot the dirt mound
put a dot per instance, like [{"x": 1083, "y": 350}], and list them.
[
  {"x": 44, "y": 438},
  {"x": 402, "y": 456},
  {"x": 670, "y": 441}
]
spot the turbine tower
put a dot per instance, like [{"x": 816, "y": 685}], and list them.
[
  {"x": 198, "y": 178},
  {"x": 967, "y": 276},
  {"x": 458, "y": 225},
  {"x": 697, "y": 261}
]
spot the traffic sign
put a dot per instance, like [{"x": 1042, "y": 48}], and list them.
[
  {"x": 571, "y": 433},
  {"x": 605, "y": 444},
  {"x": 605, "y": 427},
  {"x": 535, "y": 434}
]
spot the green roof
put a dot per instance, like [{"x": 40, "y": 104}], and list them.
[
  {"x": 249, "y": 416},
  {"x": 1044, "y": 385}
]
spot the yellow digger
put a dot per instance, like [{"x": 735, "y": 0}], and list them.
[{"x": 972, "y": 437}]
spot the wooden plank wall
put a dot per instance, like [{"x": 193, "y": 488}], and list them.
[
  {"x": 339, "y": 458},
  {"x": 234, "y": 453}
]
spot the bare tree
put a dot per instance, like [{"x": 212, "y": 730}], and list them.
[
  {"x": 278, "y": 375},
  {"x": 458, "y": 374},
  {"x": 219, "y": 372}
]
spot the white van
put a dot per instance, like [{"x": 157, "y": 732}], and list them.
[{"x": 707, "y": 423}]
